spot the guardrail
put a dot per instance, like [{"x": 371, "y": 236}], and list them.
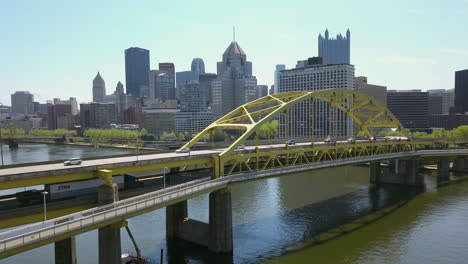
[{"x": 37, "y": 232}]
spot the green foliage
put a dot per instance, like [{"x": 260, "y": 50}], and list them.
[
  {"x": 97, "y": 136},
  {"x": 169, "y": 135},
  {"x": 268, "y": 130},
  {"x": 11, "y": 131}
]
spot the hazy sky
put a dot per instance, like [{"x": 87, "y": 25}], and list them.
[{"x": 55, "y": 48}]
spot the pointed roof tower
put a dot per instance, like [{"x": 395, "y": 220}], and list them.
[
  {"x": 98, "y": 79},
  {"x": 119, "y": 88},
  {"x": 234, "y": 51}
]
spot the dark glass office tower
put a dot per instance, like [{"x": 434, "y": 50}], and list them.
[
  {"x": 137, "y": 66},
  {"x": 461, "y": 91}
]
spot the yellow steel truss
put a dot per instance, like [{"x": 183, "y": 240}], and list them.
[{"x": 366, "y": 113}]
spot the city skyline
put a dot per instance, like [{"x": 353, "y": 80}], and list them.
[{"x": 63, "y": 60}]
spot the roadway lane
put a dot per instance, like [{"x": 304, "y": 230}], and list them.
[{"x": 8, "y": 174}]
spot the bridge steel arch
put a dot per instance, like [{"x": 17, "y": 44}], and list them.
[{"x": 364, "y": 110}]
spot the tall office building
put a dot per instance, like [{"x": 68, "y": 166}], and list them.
[
  {"x": 60, "y": 116},
  {"x": 448, "y": 98},
  {"x": 326, "y": 121},
  {"x": 410, "y": 107},
  {"x": 235, "y": 84},
  {"x": 99, "y": 89},
  {"x": 262, "y": 90},
  {"x": 183, "y": 78},
  {"x": 119, "y": 89},
  {"x": 335, "y": 50},
  {"x": 205, "y": 80},
  {"x": 193, "y": 116},
  {"x": 278, "y": 69},
  {"x": 164, "y": 88},
  {"x": 461, "y": 91},
  {"x": 22, "y": 103},
  {"x": 137, "y": 67},
  {"x": 169, "y": 69},
  {"x": 377, "y": 91},
  {"x": 97, "y": 115},
  {"x": 198, "y": 65}
]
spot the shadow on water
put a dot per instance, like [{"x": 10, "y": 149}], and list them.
[{"x": 273, "y": 236}]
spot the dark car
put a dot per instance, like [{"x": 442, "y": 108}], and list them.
[{"x": 290, "y": 142}]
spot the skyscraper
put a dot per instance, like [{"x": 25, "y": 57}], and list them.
[
  {"x": 335, "y": 50},
  {"x": 22, "y": 103},
  {"x": 410, "y": 107},
  {"x": 99, "y": 89},
  {"x": 198, "y": 65},
  {"x": 461, "y": 91},
  {"x": 278, "y": 68},
  {"x": 169, "y": 69},
  {"x": 137, "y": 67},
  {"x": 119, "y": 89},
  {"x": 326, "y": 121},
  {"x": 235, "y": 84},
  {"x": 165, "y": 87}
]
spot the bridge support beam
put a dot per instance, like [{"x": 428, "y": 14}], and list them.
[
  {"x": 110, "y": 250},
  {"x": 405, "y": 172},
  {"x": 375, "y": 171},
  {"x": 460, "y": 164},
  {"x": 215, "y": 235},
  {"x": 443, "y": 167},
  {"x": 65, "y": 251},
  {"x": 220, "y": 221}
]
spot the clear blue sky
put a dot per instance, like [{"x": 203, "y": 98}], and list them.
[{"x": 55, "y": 48}]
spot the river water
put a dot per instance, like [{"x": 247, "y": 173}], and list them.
[{"x": 274, "y": 221}]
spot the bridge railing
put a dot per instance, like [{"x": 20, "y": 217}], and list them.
[{"x": 35, "y": 233}]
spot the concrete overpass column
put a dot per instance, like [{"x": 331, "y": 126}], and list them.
[
  {"x": 461, "y": 164},
  {"x": 443, "y": 167},
  {"x": 65, "y": 251},
  {"x": 404, "y": 172},
  {"x": 375, "y": 173},
  {"x": 220, "y": 229},
  {"x": 175, "y": 215},
  {"x": 110, "y": 250}
]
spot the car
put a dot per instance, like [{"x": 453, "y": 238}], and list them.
[
  {"x": 241, "y": 146},
  {"x": 183, "y": 150},
  {"x": 329, "y": 140},
  {"x": 290, "y": 142},
  {"x": 351, "y": 140},
  {"x": 74, "y": 161}
]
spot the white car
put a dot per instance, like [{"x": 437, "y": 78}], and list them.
[
  {"x": 183, "y": 150},
  {"x": 69, "y": 162}
]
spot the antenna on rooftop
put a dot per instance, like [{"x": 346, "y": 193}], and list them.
[{"x": 233, "y": 33}]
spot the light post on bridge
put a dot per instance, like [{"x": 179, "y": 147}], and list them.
[
  {"x": 1, "y": 144},
  {"x": 45, "y": 209},
  {"x": 164, "y": 177}
]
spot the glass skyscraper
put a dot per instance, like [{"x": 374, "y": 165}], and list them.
[{"x": 137, "y": 67}]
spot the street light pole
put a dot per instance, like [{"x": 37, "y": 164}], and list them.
[
  {"x": 45, "y": 209},
  {"x": 164, "y": 177},
  {"x": 1, "y": 144}
]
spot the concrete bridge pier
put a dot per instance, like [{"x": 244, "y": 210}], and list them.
[
  {"x": 443, "y": 169},
  {"x": 375, "y": 170},
  {"x": 65, "y": 251},
  {"x": 110, "y": 250},
  {"x": 403, "y": 172},
  {"x": 460, "y": 164},
  {"x": 215, "y": 235}
]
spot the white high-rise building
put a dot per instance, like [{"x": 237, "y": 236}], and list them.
[
  {"x": 279, "y": 67},
  {"x": 326, "y": 121}
]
